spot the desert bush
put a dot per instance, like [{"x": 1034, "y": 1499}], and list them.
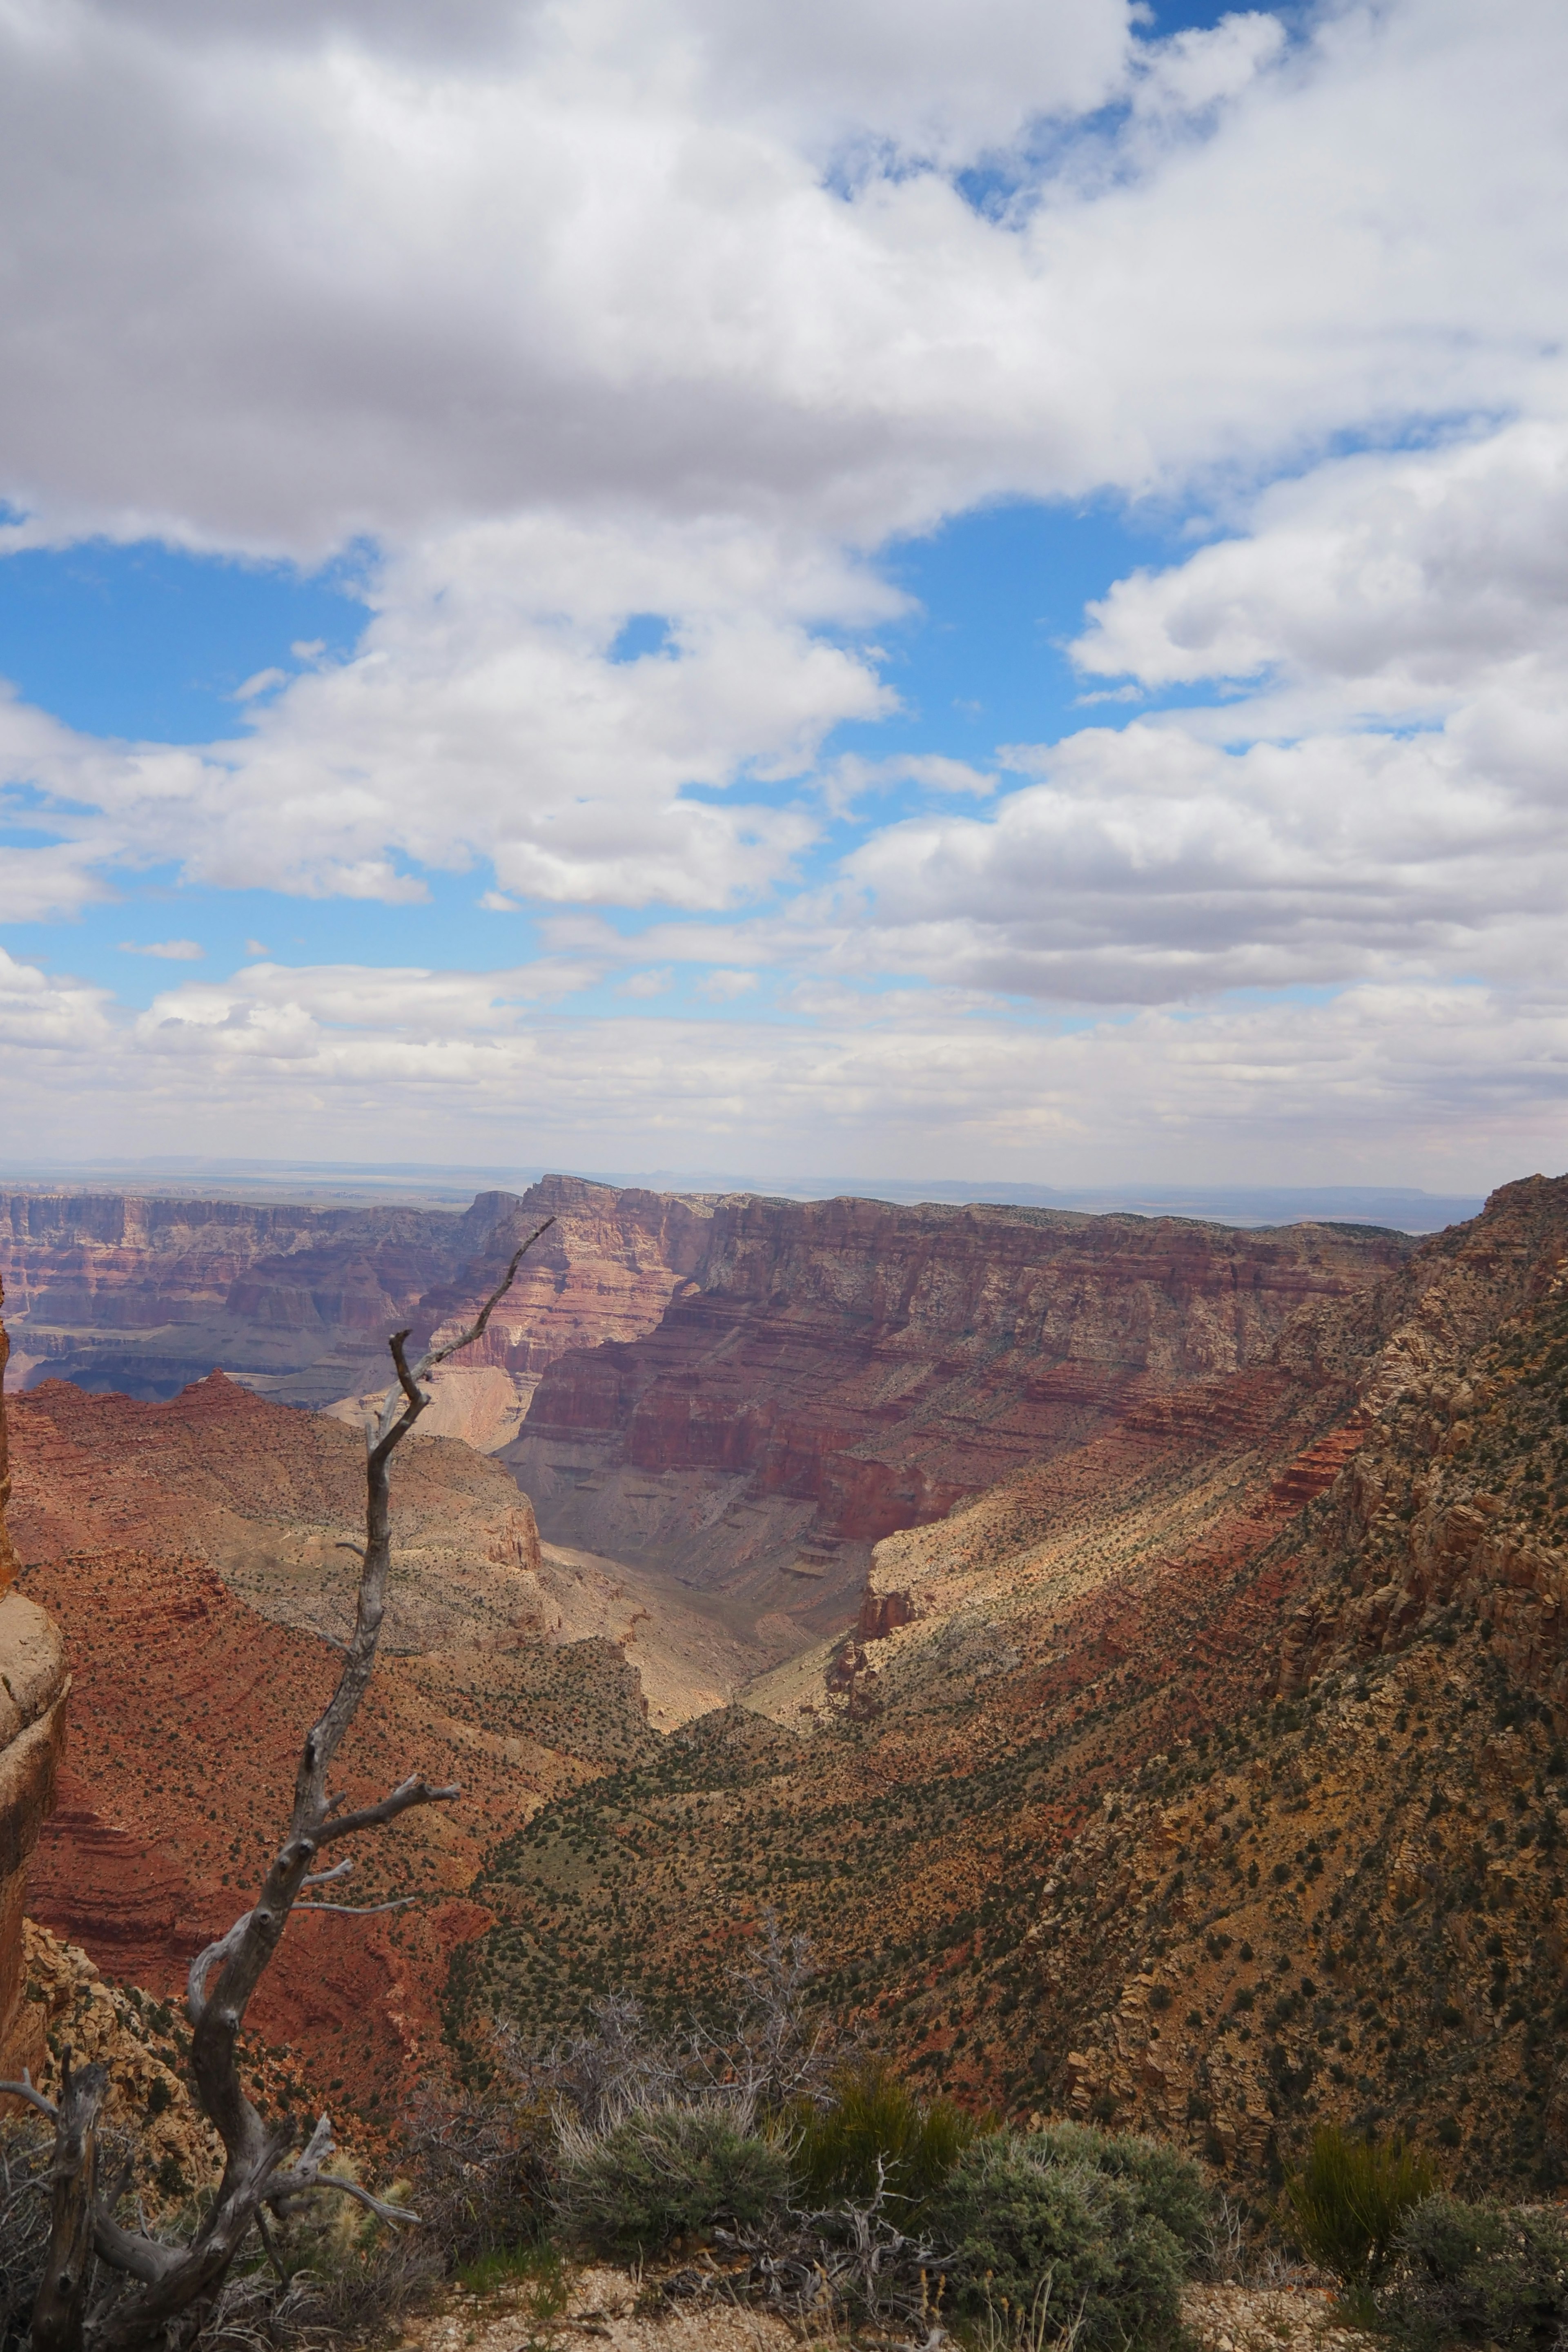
[
  {"x": 1349, "y": 2199},
  {"x": 1478, "y": 2275},
  {"x": 873, "y": 2135},
  {"x": 1168, "y": 2184},
  {"x": 1029, "y": 2222},
  {"x": 482, "y": 2167},
  {"x": 666, "y": 2173}
]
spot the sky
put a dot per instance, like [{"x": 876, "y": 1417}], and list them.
[{"x": 965, "y": 589}]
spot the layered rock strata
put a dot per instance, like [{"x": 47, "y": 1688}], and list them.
[
  {"x": 144, "y": 1296},
  {"x": 837, "y": 1370},
  {"x": 1209, "y": 1777},
  {"x": 34, "y": 1687}
]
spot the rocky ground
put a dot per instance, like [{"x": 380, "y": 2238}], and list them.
[{"x": 626, "y": 2313}]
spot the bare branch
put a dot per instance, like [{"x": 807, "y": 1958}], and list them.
[
  {"x": 174, "y": 2282},
  {"x": 408, "y": 1381},
  {"x": 202, "y": 1966},
  {"x": 296, "y": 2185},
  {"x": 62, "y": 2291},
  {"x": 141, "y": 2257},
  {"x": 368, "y": 1817},
  {"x": 405, "y": 1379},
  {"x": 325, "y": 1877},
  {"x": 359, "y": 1910},
  {"x": 23, "y": 2090}
]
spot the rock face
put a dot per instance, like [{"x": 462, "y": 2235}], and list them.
[
  {"x": 837, "y": 1370},
  {"x": 144, "y": 1296},
  {"x": 34, "y": 1687},
  {"x": 190, "y": 1551}
]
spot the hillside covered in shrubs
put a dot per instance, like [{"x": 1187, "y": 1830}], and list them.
[{"x": 1256, "y": 1828}]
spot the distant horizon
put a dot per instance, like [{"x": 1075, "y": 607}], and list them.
[{"x": 1409, "y": 1208}]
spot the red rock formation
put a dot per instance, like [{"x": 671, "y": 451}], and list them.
[
  {"x": 33, "y": 1693},
  {"x": 144, "y": 1296},
  {"x": 188, "y": 1708},
  {"x": 876, "y": 1364}
]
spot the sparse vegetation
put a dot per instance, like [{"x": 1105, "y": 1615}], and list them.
[
  {"x": 874, "y": 2138},
  {"x": 666, "y": 2172}
]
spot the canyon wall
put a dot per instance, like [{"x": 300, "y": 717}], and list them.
[
  {"x": 34, "y": 1687},
  {"x": 1208, "y": 1776},
  {"x": 836, "y": 1371},
  {"x": 111, "y": 1291}
]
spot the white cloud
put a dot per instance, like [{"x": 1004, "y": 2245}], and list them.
[
  {"x": 723, "y": 986},
  {"x": 482, "y": 717},
  {"x": 172, "y": 951},
  {"x": 276, "y": 281},
  {"x": 1456, "y": 1087},
  {"x": 1395, "y": 586},
  {"x": 587, "y": 310},
  {"x": 1149, "y": 866}
]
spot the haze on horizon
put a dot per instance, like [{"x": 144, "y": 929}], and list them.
[{"x": 938, "y": 589}]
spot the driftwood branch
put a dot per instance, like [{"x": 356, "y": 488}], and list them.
[{"x": 173, "y": 2286}]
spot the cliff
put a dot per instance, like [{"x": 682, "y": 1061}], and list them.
[
  {"x": 836, "y": 1371},
  {"x": 34, "y": 1689},
  {"x": 1208, "y": 1775},
  {"x": 111, "y": 1291}
]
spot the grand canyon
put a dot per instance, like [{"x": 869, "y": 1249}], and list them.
[{"x": 1131, "y": 1649}]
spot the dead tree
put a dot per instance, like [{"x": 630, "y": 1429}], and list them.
[{"x": 173, "y": 2286}]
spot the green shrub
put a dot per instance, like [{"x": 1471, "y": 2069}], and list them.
[
  {"x": 1350, "y": 2197},
  {"x": 873, "y": 2118},
  {"x": 1027, "y": 2220},
  {"x": 1478, "y": 2275},
  {"x": 666, "y": 2173},
  {"x": 1168, "y": 2184}
]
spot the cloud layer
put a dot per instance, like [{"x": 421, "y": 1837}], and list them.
[{"x": 582, "y": 315}]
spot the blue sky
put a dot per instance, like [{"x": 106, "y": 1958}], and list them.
[
  {"x": 945, "y": 590},
  {"x": 149, "y": 642}
]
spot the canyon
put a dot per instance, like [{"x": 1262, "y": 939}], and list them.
[
  {"x": 145, "y": 1296},
  {"x": 836, "y": 1371},
  {"x": 1131, "y": 1650},
  {"x": 1208, "y": 1776}
]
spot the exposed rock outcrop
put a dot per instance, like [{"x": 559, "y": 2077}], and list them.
[
  {"x": 144, "y": 1296},
  {"x": 1213, "y": 1776},
  {"x": 838, "y": 1369},
  {"x": 34, "y": 1687}
]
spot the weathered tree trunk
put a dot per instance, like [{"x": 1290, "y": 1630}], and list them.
[
  {"x": 176, "y": 2284},
  {"x": 62, "y": 2305}
]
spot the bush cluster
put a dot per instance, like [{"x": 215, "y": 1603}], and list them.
[
  {"x": 666, "y": 2173},
  {"x": 1104, "y": 2226},
  {"x": 874, "y": 2139}
]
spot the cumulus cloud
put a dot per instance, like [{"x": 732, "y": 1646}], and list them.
[
  {"x": 276, "y": 277},
  {"x": 1386, "y": 586},
  {"x": 591, "y": 311},
  {"x": 482, "y": 717},
  {"x": 171, "y": 950}
]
